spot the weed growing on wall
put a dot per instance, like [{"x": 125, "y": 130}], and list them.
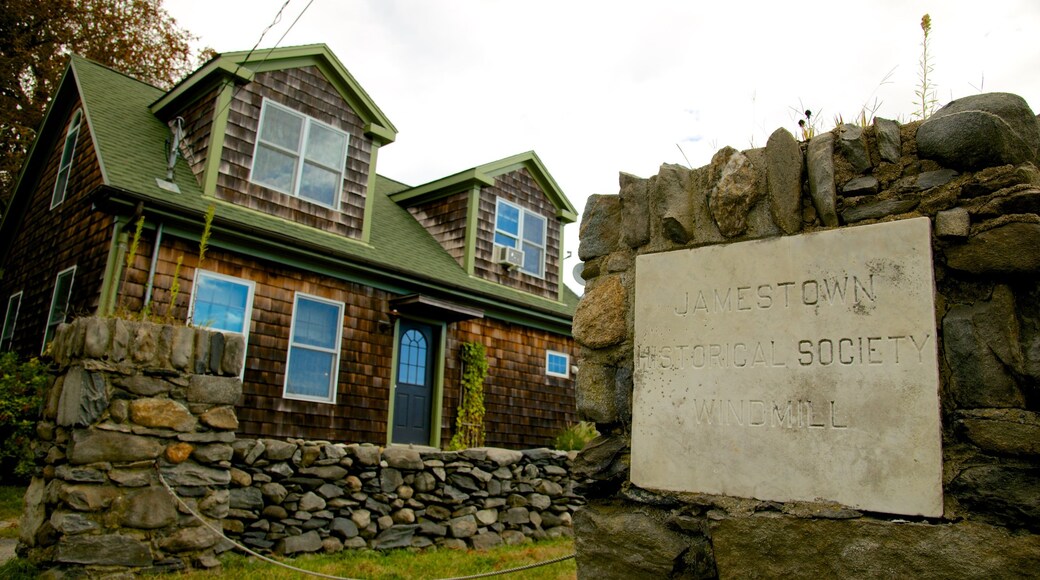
[
  {"x": 469, "y": 423},
  {"x": 576, "y": 436},
  {"x": 22, "y": 386},
  {"x": 925, "y": 93},
  {"x": 131, "y": 256}
]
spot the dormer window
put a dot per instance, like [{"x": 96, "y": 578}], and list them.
[
  {"x": 519, "y": 228},
  {"x": 68, "y": 152},
  {"x": 299, "y": 156}
]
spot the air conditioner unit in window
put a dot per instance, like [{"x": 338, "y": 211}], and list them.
[{"x": 511, "y": 257}]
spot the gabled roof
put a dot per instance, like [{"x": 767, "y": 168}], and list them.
[
  {"x": 401, "y": 255},
  {"x": 485, "y": 175},
  {"x": 241, "y": 67}
]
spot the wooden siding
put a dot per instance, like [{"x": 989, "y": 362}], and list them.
[
  {"x": 307, "y": 91},
  {"x": 445, "y": 219},
  {"x": 51, "y": 240},
  {"x": 198, "y": 122},
  {"x": 526, "y": 407},
  {"x": 520, "y": 188}
]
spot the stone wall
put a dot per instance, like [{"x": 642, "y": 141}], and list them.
[
  {"x": 972, "y": 169},
  {"x": 132, "y": 399},
  {"x": 294, "y": 496}
]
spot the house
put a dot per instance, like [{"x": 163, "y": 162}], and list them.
[{"x": 354, "y": 291}]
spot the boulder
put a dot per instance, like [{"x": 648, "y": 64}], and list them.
[
  {"x": 599, "y": 321},
  {"x": 635, "y": 210},
  {"x": 784, "y": 164},
  {"x": 600, "y": 226},
  {"x": 614, "y": 542},
  {"x": 1009, "y": 248},
  {"x": 820, "y": 159},
  {"x": 981, "y": 131},
  {"x": 734, "y": 194},
  {"x": 103, "y": 550}
]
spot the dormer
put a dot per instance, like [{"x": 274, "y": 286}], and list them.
[
  {"x": 502, "y": 222},
  {"x": 288, "y": 132}
]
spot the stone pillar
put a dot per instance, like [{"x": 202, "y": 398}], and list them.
[{"x": 132, "y": 400}]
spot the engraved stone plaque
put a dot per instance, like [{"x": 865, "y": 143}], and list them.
[{"x": 800, "y": 368}]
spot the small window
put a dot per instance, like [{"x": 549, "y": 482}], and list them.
[
  {"x": 313, "y": 360},
  {"x": 522, "y": 229},
  {"x": 67, "y": 154},
  {"x": 10, "y": 318},
  {"x": 411, "y": 368},
  {"x": 59, "y": 304},
  {"x": 298, "y": 155},
  {"x": 557, "y": 364},
  {"x": 223, "y": 303}
]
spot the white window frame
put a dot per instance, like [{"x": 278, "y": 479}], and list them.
[
  {"x": 52, "y": 323},
  {"x": 14, "y": 304},
  {"x": 65, "y": 165},
  {"x": 299, "y": 154},
  {"x": 519, "y": 238},
  {"x": 566, "y": 374},
  {"x": 334, "y": 378},
  {"x": 247, "y": 319}
]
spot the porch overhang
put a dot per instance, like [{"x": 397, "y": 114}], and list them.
[{"x": 433, "y": 308}]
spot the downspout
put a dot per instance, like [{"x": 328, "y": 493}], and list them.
[{"x": 155, "y": 263}]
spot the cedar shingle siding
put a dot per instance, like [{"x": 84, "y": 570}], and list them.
[{"x": 445, "y": 219}]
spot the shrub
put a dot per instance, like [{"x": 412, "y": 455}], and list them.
[
  {"x": 22, "y": 388},
  {"x": 575, "y": 437}
]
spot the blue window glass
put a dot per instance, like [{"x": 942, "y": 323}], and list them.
[
  {"x": 519, "y": 228},
  {"x": 314, "y": 349},
  {"x": 411, "y": 367},
  {"x": 221, "y": 303},
  {"x": 557, "y": 364}
]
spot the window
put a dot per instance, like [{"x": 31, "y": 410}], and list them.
[
  {"x": 314, "y": 340},
  {"x": 59, "y": 304},
  {"x": 7, "y": 334},
  {"x": 411, "y": 368},
  {"x": 222, "y": 303},
  {"x": 299, "y": 156},
  {"x": 67, "y": 153},
  {"x": 522, "y": 229},
  {"x": 557, "y": 364}
]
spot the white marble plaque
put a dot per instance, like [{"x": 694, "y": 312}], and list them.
[{"x": 799, "y": 368}]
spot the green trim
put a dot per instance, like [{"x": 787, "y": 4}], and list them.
[
  {"x": 393, "y": 387},
  {"x": 198, "y": 84},
  {"x": 472, "y": 228},
  {"x": 445, "y": 186},
  {"x": 370, "y": 192},
  {"x": 437, "y": 404},
  {"x": 215, "y": 149},
  {"x": 379, "y": 134},
  {"x": 113, "y": 268},
  {"x": 560, "y": 285}
]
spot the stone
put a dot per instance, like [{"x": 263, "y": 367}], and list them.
[
  {"x": 873, "y": 210},
  {"x": 953, "y": 223},
  {"x": 635, "y": 210},
  {"x": 854, "y": 147},
  {"x": 162, "y": 414},
  {"x": 603, "y": 458},
  {"x": 428, "y": 528},
  {"x": 96, "y": 446},
  {"x": 216, "y": 351},
  {"x": 888, "y": 141},
  {"x": 131, "y": 477},
  {"x": 399, "y": 457},
  {"x": 326, "y": 472},
  {"x": 981, "y": 131},
  {"x": 784, "y": 164},
  {"x": 144, "y": 344},
  {"x": 972, "y": 338},
  {"x": 96, "y": 337},
  {"x": 275, "y": 512},
  {"x": 331, "y": 545},
  {"x": 462, "y": 527},
  {"x": 549, "y": 488},
  {"x": 213, "y": 453},
  {"x": 214, "y": 390},
  {"x": 103, "y": 550},
  {"x": 504, "y": 457},
  {"x": 1006, "y": 249},
  {"x": 820, "y": 160},
  {"x": 34, "y": 512},
  {"x": 734, "y": 194},
  {"x": 930, "y": 179},
  {"x": 247, "y": 498},
  {"x": 612, "y": 542},
  {"x": 862, "y": 185},
  {"x": 311, "y": 502},
  {"x": 540, "y": 501},
  {"x": 999, "y": 494},
  {"x": 241, "y": 478},
  {"x": 84, "y": 397},
  {"x": 193, "y": 475},
  {"x": 597, "y": 393},
  {"x": 234, "y": 355},
  {"x": 390, "y": 479},
  {"x": 366, "y": 454},
  {"x": 275, "y": 450},
  {"x": 344, "y": 528},
  {"x": 600, "y": 226},
  {"x": 486, "y": 517},
  {"x": 361, "y": 518},
  {"x": 768, "y": 384},
  {"x": 72, "y": 523},
  {"x": 304, "y": 543},
  {"x": 1014, "y": 432},
  {"x": 516, "y": 516},
  {"x": 79, "y": 474},
  {"x": 403, "y": 516},
  {"x": 330, "y": 491},
  {"x": 149, "y": 509},
  {"x": 190, "y": 539},
  {"x": 143, "y": 385},
  {"x": 223, "y": 418},
  {"x": 789, "y": 547},
  {"x": 673, "y": 203},
  {"x": 182, "y": 348},
  {"x": 599, "y": 321},
  {"x": 394, "y": 537},
  {"x": 486, "y": 541}
]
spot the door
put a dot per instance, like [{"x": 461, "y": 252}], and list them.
[{"x": 413, "y": 395}]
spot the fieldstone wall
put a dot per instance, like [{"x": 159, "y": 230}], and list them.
[
  {"x": 130, "y": 400},
  {"x": 304, "y": 496},
  {"x": 972, "y": 169}
]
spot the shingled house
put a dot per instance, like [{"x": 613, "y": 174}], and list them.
[{"x": 354, "y": 291}]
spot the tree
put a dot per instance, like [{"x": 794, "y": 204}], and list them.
[{"x": 137, "y": 37}]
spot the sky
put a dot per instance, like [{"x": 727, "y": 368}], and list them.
[{"x": 597, "y": 87}]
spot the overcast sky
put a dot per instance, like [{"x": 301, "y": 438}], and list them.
[{"x": 600, "y": 86}]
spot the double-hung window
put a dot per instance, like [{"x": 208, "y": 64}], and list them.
[
  {"x": 67, "y": 154},
  {"x": 557, "y": 364},
  {"x": 59, "y": 304},
  {"x": 298, "y": 155},
  {"x": 519, "y": 228},
  {"x": 10, "y": 318},
  {"x": 314, "y": 341},
  {"x": 223, "y": 303}
]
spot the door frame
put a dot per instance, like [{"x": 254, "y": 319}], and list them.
[{"x": 437, "y": 390}]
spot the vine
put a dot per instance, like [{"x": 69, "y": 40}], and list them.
[{"x": 469, "y": 423}]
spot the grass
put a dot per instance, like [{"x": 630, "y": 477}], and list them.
[{"x": 391, "y": 565}]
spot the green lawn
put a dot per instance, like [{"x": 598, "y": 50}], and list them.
[{"x": 10, "y": 510}]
